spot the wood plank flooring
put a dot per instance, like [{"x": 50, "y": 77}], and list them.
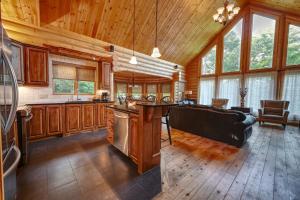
[
  {"x": 86, "y": 167},
  {"x": 267, "y": 167}
]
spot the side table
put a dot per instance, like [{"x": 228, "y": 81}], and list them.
[{"x": 243, "y": 109}]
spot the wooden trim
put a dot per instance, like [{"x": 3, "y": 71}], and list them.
[{"x": 1, "y": 169}]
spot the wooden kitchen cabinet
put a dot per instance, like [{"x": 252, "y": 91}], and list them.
[
  {"x": 110, "y": 126},
  {"x": 54, "y": 119},
  {"x": 104, "y": 71},
  {"x": 73, "y": 118},
  {"x": 88, "y": 114},
  {"x": 38, "y": 122},
  {"x": 133, "y": 137},
  {"x": 18, "y": 60},
  {"x": 36, "y": 66},
  {"x": 101, "y": 115}
]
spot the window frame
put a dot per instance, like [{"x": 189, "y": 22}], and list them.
[
  {"x": 76, "y": 81},
  {"x": 288, "y": 21},
  {"x": 268, "y": 14},
  {"x": 207, "y": 50}
]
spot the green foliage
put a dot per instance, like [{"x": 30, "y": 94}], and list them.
[
  {"x": 209, "y": 62},
  {"x": 262, "y": 50},
  {"x": 293, "y": 53},
  {"x": 62, "y": 86},
  {"x": 86, "y": 87},
  {"x": 232, "y": 49}
]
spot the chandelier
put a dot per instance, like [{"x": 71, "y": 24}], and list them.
[{"x": 226, "y": 13}]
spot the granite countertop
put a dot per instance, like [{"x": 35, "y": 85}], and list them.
[
  {"x": 68, "y": 102},
  {"x": 125, "y": 108},
  {"x": 156, "y": 104}
]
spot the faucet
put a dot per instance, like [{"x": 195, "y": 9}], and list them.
[{"x": 78, "y": 94}]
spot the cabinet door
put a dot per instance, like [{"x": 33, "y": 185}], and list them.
[
  {"x": 110, "y": 126},
  {"x": 104, "y": 75},
  {"x": 18, "y": 61},
  {"x": 36, "y": 66},
  {"x": 73, "y": 118},
  {"x": 54, "y": 119},
  {"x": 133, "y": 137},
  {"x": 101, "y": 115},
  {"x": 88, "y": 116},
  {"x": 37, "y": 123}
]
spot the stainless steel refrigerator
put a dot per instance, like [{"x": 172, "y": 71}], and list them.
[{"x": 8, "y": 107}]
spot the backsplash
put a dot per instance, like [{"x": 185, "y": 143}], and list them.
[{"x": 31, "y": 95}]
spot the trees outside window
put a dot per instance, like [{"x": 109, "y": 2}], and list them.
[
  {"x": 232, "y": 48},
  {"x": 209, "y": 62},
  {"x": 262, "y": 42},
  {"x": 293, "y": 49}
]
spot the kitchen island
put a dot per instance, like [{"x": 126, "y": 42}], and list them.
[{"x": 136, "y": 131}]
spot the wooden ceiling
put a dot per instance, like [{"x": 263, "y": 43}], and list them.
[{"x": 184, "y": 26}]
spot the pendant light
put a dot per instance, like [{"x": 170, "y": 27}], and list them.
[
  {"x": 155, "y": 52},
  {"x": 133, "y": 58}
]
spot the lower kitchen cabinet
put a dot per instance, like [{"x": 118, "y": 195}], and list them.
[
  {"x": 133, "y": 137},
  {"x": 38, "y": 122},
  {"x": 73, "y": 118},
  {"x": 110, "y": 126},
  {"x": 88, "y": 116},
  {"x": 54, "y": 119}
]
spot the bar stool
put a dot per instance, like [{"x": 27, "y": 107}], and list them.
[
  {"x": 151, "y": 98},
  {"x": 165, "y": 115}
]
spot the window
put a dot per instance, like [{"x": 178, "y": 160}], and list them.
[
  {"x": 291, "y": 92},
  {"x": 86, "y": 81},
  {"x": 121, "y": 90},
  {"x": 151, "y": 89},
  {"x": 137, "y": 91},
  {"x": 207, "y": 90},
  {"x": 260, "y": 87},
  {"x": 166, "y": 90},
  {"x": 229, "y": 88},
  {"x": 209, "y": 62},
  {"x": 262, "y": 42},
  {"x": 293, "y": 49},
  {"x": 72, "y": 80},
  {"x": 64, "y": 79},
  {"x": 232, "y": 48}
]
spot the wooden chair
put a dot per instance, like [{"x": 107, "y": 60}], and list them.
[
  {"x": 165, "y": 114},
  {"x": 151, "y": 98}
]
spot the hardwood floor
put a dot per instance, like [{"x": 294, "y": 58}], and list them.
[
  {"x": 86, "y": 167},
  {"x": 267, "y": 167}
]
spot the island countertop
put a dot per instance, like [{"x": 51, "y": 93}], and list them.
[{"x": 125, "y": 108}]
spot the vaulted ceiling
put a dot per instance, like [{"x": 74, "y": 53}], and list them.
[{"x": 184, "y": 26}]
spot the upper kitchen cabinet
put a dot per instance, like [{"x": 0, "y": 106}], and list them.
[
  {"x": 36, "y": 66},
  {"x": 104, "y": 70},
  {"x": 18, "y": 60}
]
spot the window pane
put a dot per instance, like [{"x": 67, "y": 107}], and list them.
[
  {"x": 207, "y": 90},
  {"x": 260, "y": 87},
  {"x": 209, "y": 62},
  {"x": 62, "y": 86},
  {"x": 293, "y": 49},
  {"x": 137, "y": 92},
  {"x": 229, "y": 88},
  {"x": 291, "y": 93},
  {"x": 262, "y": 42},
  {"x": 166, "y": 90},
  {"x": 121, "y": 90},
  {"x": 151, "y": 89},
  {"x": 86, "y": 87},
  {"x": 232, "y": 48}
]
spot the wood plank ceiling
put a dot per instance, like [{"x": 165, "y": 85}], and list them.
[{"x": 184, "y": 26}]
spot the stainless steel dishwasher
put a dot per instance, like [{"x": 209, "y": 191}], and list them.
[{"x": 121, "y": 121}]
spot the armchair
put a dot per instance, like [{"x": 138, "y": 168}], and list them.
[
  {"x": 220, "y": 103},
  {"x": 273, "y": 112}
]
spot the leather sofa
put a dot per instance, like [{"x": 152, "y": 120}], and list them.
[{"x": 231, "y": 127}]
